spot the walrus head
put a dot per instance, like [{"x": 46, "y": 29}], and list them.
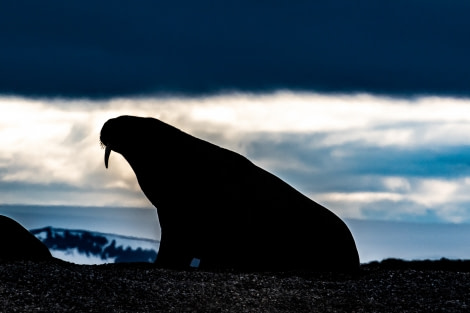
[
  {"x": 125, "y": 134},
  {"x": 112, "y": 135}
]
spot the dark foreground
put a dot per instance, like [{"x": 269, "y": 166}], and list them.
[{"x": 390, "y": 286}]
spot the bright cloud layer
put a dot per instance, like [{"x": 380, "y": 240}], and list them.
[{"x": 361, "y": 155}]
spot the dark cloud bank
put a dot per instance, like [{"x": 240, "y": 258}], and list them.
[{"x": 105, "y": 48}]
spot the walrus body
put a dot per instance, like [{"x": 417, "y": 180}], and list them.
[
  {"x": 216, "y": 206},
  {"x": 17, "y": 243}
]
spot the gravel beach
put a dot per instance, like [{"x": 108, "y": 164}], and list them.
[{"x": 388, "y": 286}]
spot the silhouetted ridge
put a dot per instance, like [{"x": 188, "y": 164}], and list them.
[{"x": 442, "y": 264}]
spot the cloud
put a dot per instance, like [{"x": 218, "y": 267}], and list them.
[
  {"x": 362, "y": 156},
  {"x": 426, "y": 200},
  {"x": 87, "y": 49}
]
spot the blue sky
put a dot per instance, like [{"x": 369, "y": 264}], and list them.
[{"x": 363, "y": 106}]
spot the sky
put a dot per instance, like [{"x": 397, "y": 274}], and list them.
[{"x": 361, "y": 105}]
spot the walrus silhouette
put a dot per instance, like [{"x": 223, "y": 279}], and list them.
[{"x": 219, "y": 209}]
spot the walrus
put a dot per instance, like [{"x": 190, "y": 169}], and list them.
[
  {"x": 17, "y": 243},
  {"x": 219, "y": 210}
]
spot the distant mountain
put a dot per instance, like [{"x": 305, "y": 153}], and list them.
[{"x": 87, "y": 247}]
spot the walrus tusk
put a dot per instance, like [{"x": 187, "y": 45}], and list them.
[{"x": 107, "y": 152}]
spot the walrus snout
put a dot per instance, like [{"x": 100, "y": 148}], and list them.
[
  {"x": 105, "y": 141},
  {"x": 107, "y": 153}
]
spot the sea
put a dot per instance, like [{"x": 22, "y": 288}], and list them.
[{"x": 133, "y": 234}]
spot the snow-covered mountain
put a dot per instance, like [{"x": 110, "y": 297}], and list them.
[{"x": 87, "y": 247}]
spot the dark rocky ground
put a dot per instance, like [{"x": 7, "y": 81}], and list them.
[{"x": 389, "y": 286}]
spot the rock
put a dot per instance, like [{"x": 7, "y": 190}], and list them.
[{"x": 17, "y": 243}]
